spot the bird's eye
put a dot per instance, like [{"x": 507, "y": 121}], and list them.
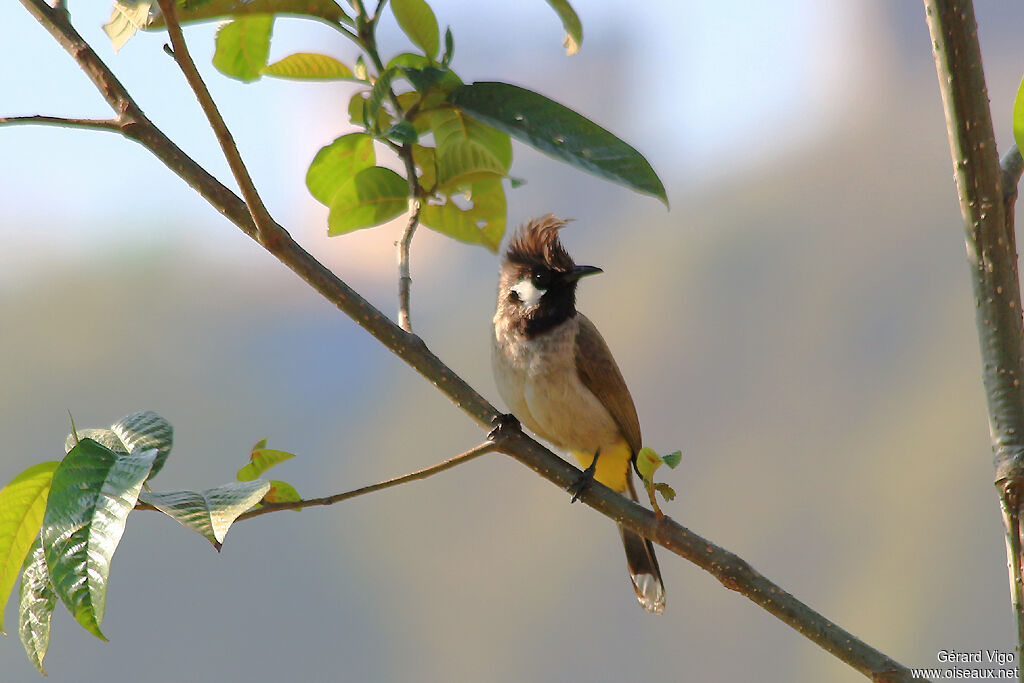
[{"x": 541, "y": 279}]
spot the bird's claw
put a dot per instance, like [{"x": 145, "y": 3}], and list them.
[
  {"x": 504, "y": 423},
  {"x": 584, "y": 481}
]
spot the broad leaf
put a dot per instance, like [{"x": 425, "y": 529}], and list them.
[
  {"x": 141, "y": 430},
  {"x": 418, "y": 22},
  {"x": 210, "y": 512},
  {"x": 35, "y": 606},
  {"x": 337, "y": 163},
  {"x": 262, "y": 459},
  {"x": 126, "y": 18},
  {"x": 1018, "y": 118},
  {"x": 571, "y": 23},
  {"x": 309, "y": 66},
  {"x": 281, "y": 492},
  {"x": 378, "y": 94},
  {"x": 560, "y": 132},
  {"x": 204, "y": 10},
  {"x": 358, "y": 109},
  {"x": 243, "y": 46},
  {"x": 93, "y": 491},
  {"x": 22, "y": 504},
  {"x": 482, "y": 223},
  {"x": 374, "y": 196},
  {"x": 467, "y": 150}
]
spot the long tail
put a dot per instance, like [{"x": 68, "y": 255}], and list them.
[{"x": 643, "y": 566}]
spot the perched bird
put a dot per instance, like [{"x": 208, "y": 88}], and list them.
[{"x": 559, "y": 379}]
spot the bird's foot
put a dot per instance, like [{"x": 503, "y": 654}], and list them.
[
  {"x": 583, "y": 482},
  {"x": 504, "y": 423}
]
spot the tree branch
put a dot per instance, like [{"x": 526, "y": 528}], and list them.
[
  {"x": 404, "y": 274},
  {"x": 732, "y": 571},
  {"x": 991, "y": 252},
  {"x": 40, "y": 120},
  {"x": 266, "y": 229},
  {"x": 475, "y": 452}
]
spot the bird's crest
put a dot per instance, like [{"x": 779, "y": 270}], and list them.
[{"x": 536, "y": 242}]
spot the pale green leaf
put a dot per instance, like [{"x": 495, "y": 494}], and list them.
[
  {"x": 309, "y": 66},
  {"x": 373, "y": 196},
  {"x": 467, "y": 150},
  {"x": 262, "y": 459},
  {"x": 243, "y": 46},
  {"x": 1018, "y": 118},
  {"x": 418, "y": 22},
  {"x": 210, "y": 512},
  {"x": 281, "y": 492},
  {"x": 92, "y": 492},
  {"x": 483, "y": 222},
  {"x": 35, "y": 606},
  {"x": 22, "y": 504},
  {"x": 647, "y": 461},
  {"x": 126, "y": 18},
  {"x": 337, "y": 163}
]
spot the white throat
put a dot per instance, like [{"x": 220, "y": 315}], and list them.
[{"x": 528, "y": 294}]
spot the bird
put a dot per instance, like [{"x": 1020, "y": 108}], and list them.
[{"x": 556, "y": 374}]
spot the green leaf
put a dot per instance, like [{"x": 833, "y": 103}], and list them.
[
  {"x": 1018, "y": 118},
  {"x": 672, "y": 459},
  {"x": 560, "y": 132},
  {"x": 309, "y": 66},
  {"x": 262, "y": 459},
  {"x": 374, "y": 196},
  {"x": 401, "y": 132},
  {"x": 419, "y": 23},
  {"x": 449, "y": 48},
  {"x": 22, "y": 504},
  {"x": 126, "y": 18},
  {"x": 423, "y": 79},
  {"x": 666, "y": 491},
  {"x": 378, "y": 94},
  {"x": 647, "y": 461},
  {"x": 571, "y": 23},
  {"x": 204, "y": 10},
  {"x": 338, "y": 163},
  {"x": 35, "y": 606},
  {"x": 281, "y": 492},
  {"x": 358, "y": 108},
  {"x": 93, "y": 491},
  {"x": 482, "y": 223},
  {"x": 141, "y": 430},
  {"x": 426, "y": 161},
  {"x": 243, "y": 47},
  {"x": 467, "y": 150},
  {"x": 210, "y": 512}
]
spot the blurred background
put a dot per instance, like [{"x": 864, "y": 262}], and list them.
[{"x": 800, "y": 324}]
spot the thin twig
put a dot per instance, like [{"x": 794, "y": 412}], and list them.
[
  {"x": 984, "y": 188},
  {"x": 404, "y": 274},
  {"x": 40, "y": 120},
  {"x": 475, "y": 452},
  {"x": 267, "y": 229},
  {"x": 731, "y": 570}
]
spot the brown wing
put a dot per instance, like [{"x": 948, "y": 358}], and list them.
[{"x": 601, "y": 375}]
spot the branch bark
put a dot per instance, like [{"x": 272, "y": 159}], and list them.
[
  {"x": 472, "y": 453},
  {"x": 734, "y": 573},
  {"x": 987, "y": 192}
]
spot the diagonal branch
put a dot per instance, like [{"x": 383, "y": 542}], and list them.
[
  {"x": 266, "y": 229},
  {"x": 987, "y": 191},
  {"x": 475, "y": 452},
  {"x": 732, "y": 571}
]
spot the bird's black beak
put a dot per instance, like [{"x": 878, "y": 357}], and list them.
[{"x": 581, "y": 271}]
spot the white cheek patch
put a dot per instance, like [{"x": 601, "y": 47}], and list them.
[{"x": 528, "y": 294}]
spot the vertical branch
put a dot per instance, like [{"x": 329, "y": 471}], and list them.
[
  {"x": 404, "y": 274},
  {"x": 991, "y": 253}
]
